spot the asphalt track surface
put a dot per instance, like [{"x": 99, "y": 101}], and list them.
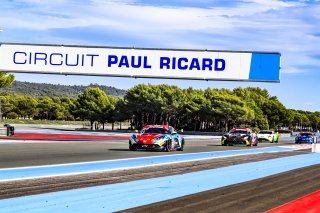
[
  {"x": 17, "y": 154},
  {"x": 254, "y": 196},
  {"x": 10, "y": 189},
  {"x": 279, "y": 188}
]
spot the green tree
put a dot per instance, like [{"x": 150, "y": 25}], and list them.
[
  {"x": 122, "y": 112},
  {"x": 171, "y": 103},
  {"x": 194, "y": 110},
  {"x": 46, "y": 108},
  {"x": 68, "y": 108},
  {"x": 275, "y": 112},
  {"x": 6, "y": 80},
  {"x": 92, "y": 104},
  {"x": 7, "y": 105},
  {"x": 12, "y": 115},
  {"x": 255, "y": 98},
  {"x": 227, "y": 108},
  {"x": 25, "y": 106},
  {"x": 109, "y": 112},
  {"x": 144, "y": 101}
]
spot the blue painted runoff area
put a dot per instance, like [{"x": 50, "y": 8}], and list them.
[
  {"x": 120, "y": 196},
  {"x": 65, "y": 169},
  {"x": 265, "y": 67}
]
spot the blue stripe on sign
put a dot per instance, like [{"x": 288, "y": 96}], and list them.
[
  {"x": 265, "y": 67},
  {"x": 43, "y": 171},
  {"x": 115, "y": 197}
]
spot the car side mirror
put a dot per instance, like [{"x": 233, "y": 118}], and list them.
[
  {"x": 181, "y": 130},
  {"x": 136, "y": 131},
  {"x": 173, "y": 132}
]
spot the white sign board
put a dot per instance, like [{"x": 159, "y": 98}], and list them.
[{"x": 139, "y": 62}]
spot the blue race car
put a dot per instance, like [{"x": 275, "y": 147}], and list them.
[{"x": 306, "y": 137}]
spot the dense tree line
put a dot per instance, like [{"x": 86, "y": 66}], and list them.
[
  {"x": 53, "y": 90},
  {"x": 189, "y": 109},
  {"x": 14, "y": 106},
  {"x": 207, "y": 110}
]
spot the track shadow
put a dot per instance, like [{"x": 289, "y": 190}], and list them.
[
  {"x": 120, "y": 150},
  {"x": 139, "y": 150}
]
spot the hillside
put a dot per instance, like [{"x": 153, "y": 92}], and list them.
[{"x": 42, "y": 89}]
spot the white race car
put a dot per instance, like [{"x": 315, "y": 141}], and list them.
[{"x": 268, "y": 135}]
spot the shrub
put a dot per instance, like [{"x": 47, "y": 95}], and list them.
[{"x": 12, "y": 115}]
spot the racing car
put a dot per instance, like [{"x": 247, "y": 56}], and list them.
[
  {"x": 268, "y": 135},
  {"x": 306, "y": 137},
  {"x": 157, "y": 137},
  {"x": 239, "y": 136}
]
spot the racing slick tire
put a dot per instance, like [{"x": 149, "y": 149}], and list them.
[
  {"x": 254, "y": 143},
  {"x": 181, "y": 147},
  {"x": 169, "y": 146},
  {"x": 132, "y": 147}
]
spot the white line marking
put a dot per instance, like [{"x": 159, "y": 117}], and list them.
[{"x": 129, "y": 168}]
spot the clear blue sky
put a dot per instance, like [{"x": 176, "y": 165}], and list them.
[{"x": 290, "y": 27}]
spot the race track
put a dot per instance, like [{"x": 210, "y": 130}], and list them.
[
  {"x": 255, "y": 179},
  {"x": 255, "y": 196},
  {"x": 26, "y": 153}
]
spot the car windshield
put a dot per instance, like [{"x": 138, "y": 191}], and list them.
[
  {"x": 265, "y": 132},
  {"x": 239, "y": 131},
  {"x": 155, "y": 130},
  {"x": 306, "y": 134}
]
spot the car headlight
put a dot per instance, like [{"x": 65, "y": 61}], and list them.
[{"x": 158, "y": 139}]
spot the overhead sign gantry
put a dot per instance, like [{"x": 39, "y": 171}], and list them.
[{"x": 140, "y": 62}]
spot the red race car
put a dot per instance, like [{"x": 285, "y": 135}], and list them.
[{"x": 157, "y": 137}]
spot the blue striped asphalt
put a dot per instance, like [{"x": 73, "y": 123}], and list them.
[
  {"x": 115, "y": 197},
  {"x": 64, "y": 169}
]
